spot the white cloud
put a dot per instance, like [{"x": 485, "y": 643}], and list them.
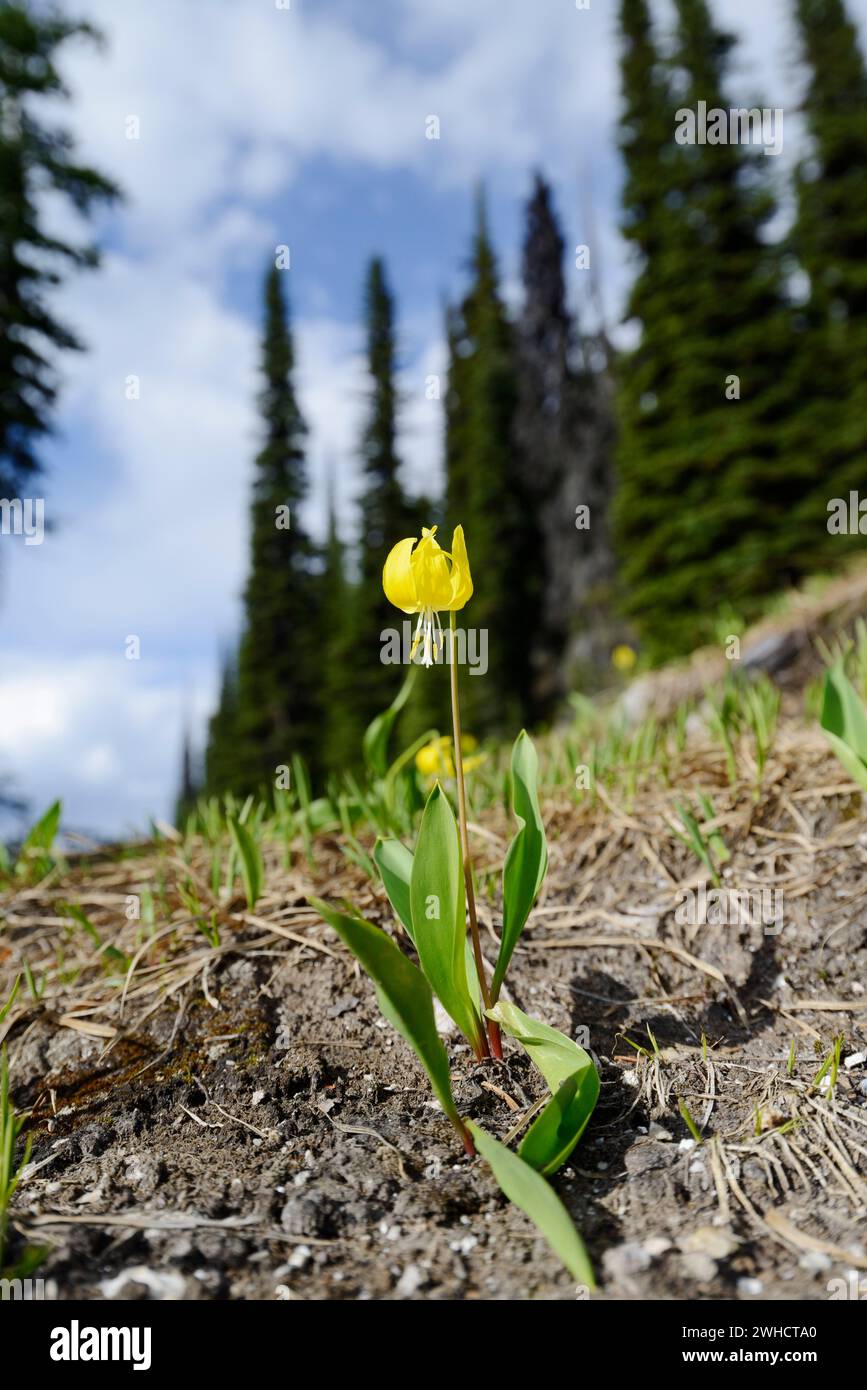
[
  {"x": 103, "y": 731},
  {"x": 240, "y": 106}
]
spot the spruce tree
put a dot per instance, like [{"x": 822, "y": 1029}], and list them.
[
  {"x": 564, "y": 429},
  {"x": 189, "y": 789},
  {"x": 342, "y": 720},
  {"x": 829, "y": 239},
  {"x": 280, "y": 656},
  {"x": 222, "y": 750},
  {"x": 706, "y": 480},
  {"x": 486, "y": 493},
  {"x": 35, "y": 157},
  {"x": 386, "y": 515}
]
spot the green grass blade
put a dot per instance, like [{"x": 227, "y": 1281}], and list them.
[
  {"x": 439, "y": 916},
  {"x": 4, "y": 1009},
  {"x": 844, "y": 723},
  {"x": 252, "y": 870},
  {"x": 538, "y": 1200},
  {"x": 34, "y": 858},
  {"x": 374, "y": 744},
  {"x": 527, "y": 857}
]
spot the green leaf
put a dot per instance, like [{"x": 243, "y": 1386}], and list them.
[
  {"x": 695, "y": 840},
  {"x": 374, "y": 743},
  {"x": 844, "y": 723},
  {"x": 394, "y": 862},
  {"x": 4, "y": 1008},
  {"x": 529, "y": 1191},
  {"x": 35, "y": 855},
  {"x": 527, "y": 859},
  {"x": 108, "y": 952},
  {"x": 252, "y": 871},
  {"x": 439, "y": 914},
  {"x": 404, "y": 997},
  {"x": 572, "y": 1078}
]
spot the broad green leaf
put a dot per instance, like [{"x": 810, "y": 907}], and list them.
[
  {"x": 527, "y": 859},
  {"x": 439, "y": 913},
  {"x": 374, "y": 743},
  {"x": 529, "y": 1191},
  {"x": 404, "y": 997},
  {"x": 844, "y": 723},
  {"x": 572, "y": 1078},
  {"x": 473, "y": 976},
  {"x": 394, "y": 862},
  {"x": 252, "y": 871}
]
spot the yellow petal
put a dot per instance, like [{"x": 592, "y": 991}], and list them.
[
  {"x": 430, "y": 570},
  {"x": 461, "y": 579},
  {"x": 398, "y": 581},
  {"x": 427, "y": 760},
  {"x": 623, "y": 658}
]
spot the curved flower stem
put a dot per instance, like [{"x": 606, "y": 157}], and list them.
[{"x": 493, "y": 1028}]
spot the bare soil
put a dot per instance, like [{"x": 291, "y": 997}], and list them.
[{"x": 247, "y": 1127}]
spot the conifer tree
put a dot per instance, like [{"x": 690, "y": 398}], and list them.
[
  {"x": 35, "y": 157},
  {"x": 829, "y": 239},
  {"x": 706, "y": 479},
  {"x": 221, "y": 751},
  {"x": 279, "y": 655},
  {"x": 189, "y": 788},
  {"x": 386, "y": 515},
  {"x": 342, "y": 719},
  {"x": 486, "y": 493},
  {"x": 564, "y": 429}
]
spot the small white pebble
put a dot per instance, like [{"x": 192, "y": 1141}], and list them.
[
  {"x": 299, "y": 1257},
  {"x": 750, "y": 1286},
  {"x": 686, "y": 1145},
  {"x": 815, "y": 1261},
  {"x": 855, "y": 1059}
]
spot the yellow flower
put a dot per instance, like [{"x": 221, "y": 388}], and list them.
[
  {"x": 419, "y": 577},
  {"x": 435, "y": 759},
  {"x": 623, "y": 658}
]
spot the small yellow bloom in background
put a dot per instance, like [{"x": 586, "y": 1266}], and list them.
[
  {"x": 623, "y": 658},
  {"x": 435, "y": 759},
  {"x": 419, "y": 577}
]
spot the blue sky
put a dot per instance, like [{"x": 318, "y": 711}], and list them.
[{"x": 262, "y": 126}]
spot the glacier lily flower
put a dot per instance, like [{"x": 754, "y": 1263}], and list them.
[{"x": 420, "y": 577}]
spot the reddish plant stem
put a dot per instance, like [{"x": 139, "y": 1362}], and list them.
[{"x": 492, "y": 1028}]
